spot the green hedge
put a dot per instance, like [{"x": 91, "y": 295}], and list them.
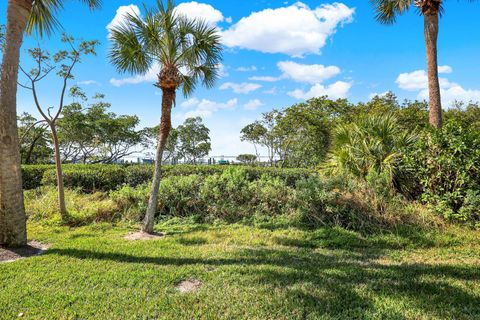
[{"x": 99, "y": 177}]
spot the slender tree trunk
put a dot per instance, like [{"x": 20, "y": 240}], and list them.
[
  {"x": 12, "y": 211},
  {"x": 165, "y": 126},
  {"x": 58, "y": 165},
  {"x": 28, "y": 157},
  {"x": 431, "y": 36}
]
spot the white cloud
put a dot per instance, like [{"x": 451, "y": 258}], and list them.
[
  {"x": 307, "y": 73},
  {"x": 450, "y": 91},
  {"x": 253, "y": 104},
  {"x": 150, "y": 76},
  {"x": 205, "y": 108},
  {"x": 121, "y": 14},
  {"x": 417, "y": 80},
  {"x": 266, "y": 78},
  {"x": 271, "y": 91},
  {"x": 240, "y": 88},
  {"x": 295, "y": 30},
  {"x": 335, "y": 90},
  {"x": 200, "y": 11},
  {"x": 445, "y": 69},
  {"x": 376, "y": 94},
  {"x": 247, "y": 69},
  {"x": 88, "y": 83},
  {"x": 222, "y": 70}
]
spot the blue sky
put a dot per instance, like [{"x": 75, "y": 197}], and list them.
[{"x": 303, "y": 49}]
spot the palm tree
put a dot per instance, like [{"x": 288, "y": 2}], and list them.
[
  {"x": 188, "y": 51},
  {"x": 387, "y": 10},
  {"x": 22, "y": 15},
  {"x": 372, "y": 144}
]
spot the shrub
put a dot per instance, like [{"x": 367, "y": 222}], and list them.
[
  {"x": 32, "y": 175},
  {"x": 89, "y": 178},
  {"x": 446, "y": 163},
  {"x": 102, "y": 177}
]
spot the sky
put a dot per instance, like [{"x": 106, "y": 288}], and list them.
[{"x": 276, "y": 54}]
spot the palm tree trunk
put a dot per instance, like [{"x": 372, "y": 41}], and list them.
[
  {"x": 165, "y": 126},
  {"x": 431, "y": 36},
  {"x": 12, "y": 210},
  {"x": 58, "y": 165}
]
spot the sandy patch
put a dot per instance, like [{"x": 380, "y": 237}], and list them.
[
  {"x": 142, "y": 236},
  {"x": 33, "y": 248},
  {"x": 188, "y": 286}
]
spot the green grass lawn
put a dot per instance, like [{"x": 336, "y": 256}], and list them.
[{"x": 247, "y": 273}]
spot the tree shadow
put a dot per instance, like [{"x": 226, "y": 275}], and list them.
[{"x": 338, "y": 284}]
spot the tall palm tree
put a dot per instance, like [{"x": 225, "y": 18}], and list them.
[
  {"x": 188, "y": 52},
  {"x": 387, "y": 10},
  {"x": 22, "y": 15}
]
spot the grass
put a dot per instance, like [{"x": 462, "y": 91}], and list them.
[{"x": 248, "y": 272}]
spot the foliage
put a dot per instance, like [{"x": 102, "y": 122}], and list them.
[
  {"x": 370, "y": 146},
  {"x": 104, "y": 177},
  {"x": 34, "y": 140},
  {"x": 83, "y": 209},
  {"x": 188, "y": 50},
  {"x": 247, "y": 158},
  {"x": 93, "y": 134},
  {"x": 447, "y": 164},
  {"x": 194, "y": 140},
  {"x": 303, "y": 132}
]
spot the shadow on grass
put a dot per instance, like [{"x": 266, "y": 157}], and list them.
[{"x": 339, "y": 284}]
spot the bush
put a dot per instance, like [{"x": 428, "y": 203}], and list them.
[
  {"x": 89, "y": 178},
  {"x": 446, "y": 163},
  {"x": 32, "y": 175},
  {"x": 101, "y": 177}
]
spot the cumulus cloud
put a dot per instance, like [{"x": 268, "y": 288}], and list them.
[
  {"x": 121, "y": 14},
  {"x": 240, "y": 88},
  {"x": 205, "y": 108},
  {"x": 246, "y": 69},
  {"x": 376, "y": 94},
  {"x": 304, "y": 73},
  {"x": 200, "y": 11},
  {"x": 295, "y": 30},
  {"x": 307, "y": 73},
  {"x": 253, "y": 104},
  {"x": 335, "y": 90},
  {"x": 265, "y": 78},
  {"x": 88, "y": 83},
  {"x": 417, "y": 81},
  {"x": 151, "y": 76}
]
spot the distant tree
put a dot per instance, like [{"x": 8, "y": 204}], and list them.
[
  {"x": 262, "y": 133},
  {"x": 34, "y": 140},
  {"x": 303, "y": 133},
  {"x": 63, "y": 62},
  {"x": 187, "y": 51},
  {"x": 247, "y": 158},
  {"x": 194, "y": 140},
  {"x": 94, "y": 135},
  {"x": 171, "y": 152},
  {"x": 254, "y": 133}
]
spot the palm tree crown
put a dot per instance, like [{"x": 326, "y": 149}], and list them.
[
  {"x": 387, "y": 10},
  {"x": 188, "y": 51},
  {"x": 43, "y": 14}
]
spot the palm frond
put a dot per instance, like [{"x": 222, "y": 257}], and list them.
[{"x": 386, "y": 11}]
